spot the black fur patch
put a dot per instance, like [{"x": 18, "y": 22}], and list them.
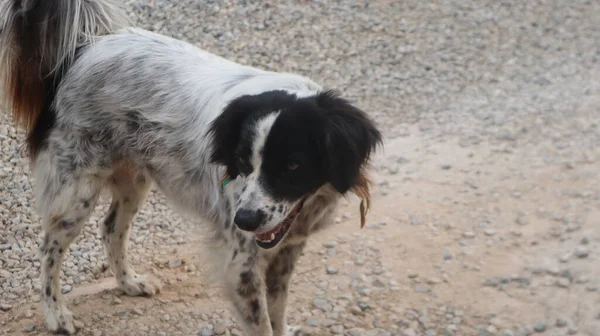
[
  {"x": 323, "y": 136},
  {"x": 246, "y": 278},
  {"x": 241, "y": 239},
  {"x": 280, "y": 269},
  {"x": 37, "y": 137},
  {"x": 247, "y": 286},
  {"x": 46, "y": 241},
  {"x": 111, "y": 219},
  {"x": 274, "y": 285},
  {"x": 66, "y": 224},
  {"x": 254, "y": 312}
]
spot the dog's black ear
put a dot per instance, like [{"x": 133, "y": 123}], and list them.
[
  {"x": 225, "y": 132},
  {"x": 350, "y": 138}
]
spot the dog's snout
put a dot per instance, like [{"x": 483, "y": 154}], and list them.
[{"x": 249, "y": 220}]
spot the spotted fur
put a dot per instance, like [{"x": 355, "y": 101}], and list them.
[{"x": 122, "y": 109}]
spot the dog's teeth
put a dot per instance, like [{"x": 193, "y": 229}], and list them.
[{"x": 272, "y": 236}]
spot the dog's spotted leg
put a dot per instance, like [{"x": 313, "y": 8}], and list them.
[
  {"x": 251, "y": 303},
  {"x": 129, "y": 192},
  {"x": 64, "y": 212},
  {"x": 247, "y": 291},
  {"x": 278, "y": 276}
]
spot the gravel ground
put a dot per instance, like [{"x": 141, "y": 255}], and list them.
[{"x": 487, "y": 213}]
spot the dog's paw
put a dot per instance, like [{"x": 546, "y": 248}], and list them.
[
  {"x": 60, "y": 320},
  {"x": 298, "y": 331},
  {"x": 139, "y": 286}
]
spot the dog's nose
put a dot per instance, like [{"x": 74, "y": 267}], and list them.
[{"x": 249, "y": 220}]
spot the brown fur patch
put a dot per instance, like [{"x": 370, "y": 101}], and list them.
[
  {"x": 362, "y": 190},
  {"x": 28, "y": 60},
  {"x": 24, "y": 90}
]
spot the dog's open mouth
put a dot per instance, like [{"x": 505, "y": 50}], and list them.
[{"x": 271, "y": 238}]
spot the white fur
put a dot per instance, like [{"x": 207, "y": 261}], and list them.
[
  {"x": 254, "y": 197},
  {"x": 154, "y": 115},
  {"x": 135, "y": 107}
]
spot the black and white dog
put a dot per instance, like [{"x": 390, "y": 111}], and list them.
[{"x": 263, "y": 157}]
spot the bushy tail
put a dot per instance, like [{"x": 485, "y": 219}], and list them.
[{"x": 38, "y": 41}]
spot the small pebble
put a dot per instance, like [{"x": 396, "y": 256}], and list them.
[
  {"x": 206, "y": 331},
  {"x": 582, "y": 252},
  {"x": 446, "y": 254},
  {"x": 313, "y": 322},
  {"x": 120, "y": 313},
  {"x": 489, "y": 232},
  {"x": 337, "y": 329},
  {"x": 332, "y": 270},
  {"x": 522, "y": 220},
  {"x": 469, "y": 234},
  {"x": 492, "y": 282},
  {"x": 524, "y": 332},
  {"x": 409, "y": 332},
  {"x": 30, "y": 327},
  {"x": 561, "y": 322},
  {"x": 585, "y": 240},
  {"x": 174, "y": 263},
  {"x": 422, "y": 289},
  {"x": 5, "y": 307},
  {"x": 540, "y": 326},
  {"x": 321, "y": 304},
  {"x": 563, "y": 282},
  {"x": 356, "y": 332}
]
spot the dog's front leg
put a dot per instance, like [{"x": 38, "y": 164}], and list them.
[
  {"x": 247, "y": 291},
  {"x": 278, "y": 276}
]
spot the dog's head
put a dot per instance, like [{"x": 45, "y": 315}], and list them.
[{"x": 286, "y": 148}]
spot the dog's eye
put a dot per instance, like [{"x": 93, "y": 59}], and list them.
[{"x": 292, "y": 166}]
